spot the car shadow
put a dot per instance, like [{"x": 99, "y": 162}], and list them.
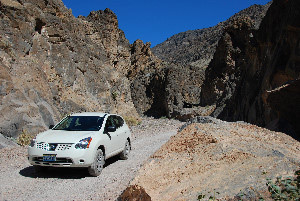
[
  {"x": 63, "y": 173},
  {"x": 111, "y": 160}
]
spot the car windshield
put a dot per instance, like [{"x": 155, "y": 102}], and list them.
[{"x": 80, "y": 123}]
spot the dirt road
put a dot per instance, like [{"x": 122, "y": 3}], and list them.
[{"x": 18, "y": 180}]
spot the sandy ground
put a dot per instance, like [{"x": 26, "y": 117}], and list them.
[{"x": 18, "y": 180}]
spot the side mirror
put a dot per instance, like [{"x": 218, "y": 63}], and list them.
[
  {"x": 111, "y": 129},
  {"x": 51, "y": 126}
]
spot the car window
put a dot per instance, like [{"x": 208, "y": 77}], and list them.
[
  {"x": 114, "y": 120},
  {"x": 80, "y": 123},
  {"x": 109, "y": 122},
  {"x": 119, "y": 121}
]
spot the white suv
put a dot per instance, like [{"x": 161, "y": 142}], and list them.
[{"x": 81, "y": 140}]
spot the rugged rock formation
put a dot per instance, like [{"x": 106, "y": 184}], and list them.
[
  {"x": 52, "y": 63},
  {"x": 147, "y": 80},
  {"x": 232, "y": 159},
  {"x": 186, "y": 57},
  {"x": 172, "y": 88},
  {"x": 252, "y": 70},
  {"x": 224, "y": 74}
]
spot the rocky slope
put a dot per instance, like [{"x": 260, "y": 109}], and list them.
[
  {"x": 254, "y": 75},
  {"x": 52, "y": 63},
  {"x": 209, "y": 155},
  {"x": 6, "y": 142}
]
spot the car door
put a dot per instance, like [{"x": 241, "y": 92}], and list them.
[
  {"x": 121, "y": 132},
  {"x": 112, "y": 145}
]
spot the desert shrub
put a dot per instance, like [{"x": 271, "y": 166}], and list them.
[
  {"x": 132, "y": 121},
  {"x": 281, "y": 189},
  {"x": 285, "y": 189},
  {"x": 212, "y": 196},
  {"x": 24, "y": 138},
  {"x": 114, "y": 95}
]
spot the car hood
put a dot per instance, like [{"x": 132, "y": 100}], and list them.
[{"x": 63, "y": 136}]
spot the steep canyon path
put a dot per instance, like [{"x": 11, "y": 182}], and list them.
[{"x": 18, "y": 180}]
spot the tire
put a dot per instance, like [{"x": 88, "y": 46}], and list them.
[
  {"x": 125, "y": 153},
  {"x": 96, "y": 168},
  {"x": 40, "y": 169}
]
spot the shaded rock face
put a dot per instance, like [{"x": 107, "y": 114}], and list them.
[
  {"x": 183, "y": 87},
  {"x": 186, "y": 57},
  {"x": 147, "y": 80},
  {"x": 225, "y": 74},
  {"x": 285, "y": 100},
  {"x": 250, "y": 65},
  {"x": 52, "y": 64},
  {"x": 229, "y": 158}
]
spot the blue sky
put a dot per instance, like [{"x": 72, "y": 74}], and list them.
[{"x": 156, "y": 20}]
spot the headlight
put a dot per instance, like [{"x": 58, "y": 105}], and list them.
[
  {"x": 32, "y": 142},
  {"x": 84, "y": 143}
]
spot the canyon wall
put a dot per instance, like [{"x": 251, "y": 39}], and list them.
[
  {"x": 52, "y": 64},
  {"x": 254, "y": 75}
]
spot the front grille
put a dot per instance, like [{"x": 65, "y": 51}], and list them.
[
  {"x": 62, "y": 147},
  {"x": 53, "y": 146},
  {"x": 58, "y": 160},
  {"x": 42, "y": 145}
]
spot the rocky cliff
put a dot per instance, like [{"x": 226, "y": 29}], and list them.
[
  {"x": 254, "y": 75},
  {"x": 210, "y": 157},
  {"x": 52, "y": 63},
  {"x": 186, "y": 56},
  {"x": 147, "y": 80}
]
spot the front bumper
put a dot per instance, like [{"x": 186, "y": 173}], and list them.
[{"x": 70, "y": 157}]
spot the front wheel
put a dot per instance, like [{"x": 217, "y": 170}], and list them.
[
  {"x": 96, "y": 168},
  {"x": 125, "y": 153}
]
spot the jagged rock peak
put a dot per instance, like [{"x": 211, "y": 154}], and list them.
[
  {"x": 101, "y": 15},
  {"x": 44, "y": 5},
  {"x": 139, "y": 48}
]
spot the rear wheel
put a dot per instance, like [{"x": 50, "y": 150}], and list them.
[
  {"x": 125, "y": 153},
  {"x": 96, "y": 168}
]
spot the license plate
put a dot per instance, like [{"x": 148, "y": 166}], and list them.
[{"x": 49, "y": 157}]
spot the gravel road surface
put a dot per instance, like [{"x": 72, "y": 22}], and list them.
[{"x": 18, "y": 180}]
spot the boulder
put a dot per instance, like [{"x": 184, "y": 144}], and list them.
[{"x": 134, "y": 193}]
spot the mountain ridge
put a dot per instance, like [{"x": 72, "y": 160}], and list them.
[{"x": 179, "y": 48}]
